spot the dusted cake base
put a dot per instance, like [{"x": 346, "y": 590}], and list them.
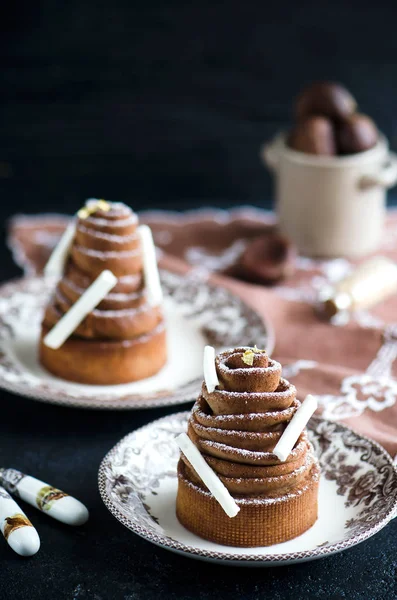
[
  {"x": 260, "y": 522},
  {"x": 106, "y": 363}
]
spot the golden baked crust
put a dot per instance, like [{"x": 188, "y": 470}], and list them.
[
  {"x": 262, "y": 521},
  {"x": 106, "y": 362}
]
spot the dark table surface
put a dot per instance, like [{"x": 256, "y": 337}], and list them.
[{"x": 163, "y": 104}]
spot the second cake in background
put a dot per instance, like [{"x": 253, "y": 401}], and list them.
[{"x": 123, "y": 338}]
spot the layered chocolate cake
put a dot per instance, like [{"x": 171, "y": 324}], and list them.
[
  {"x": 123, "y": 338},
  {"x": 236, "y": 428}
]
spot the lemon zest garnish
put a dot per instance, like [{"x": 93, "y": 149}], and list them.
[
  {"x": 83, "y": 213},
  {"x": 248, "y": 356},
  {"x": 86, "y": 211},
  {"x": 258, "y": 351},
  {"x": 103, "y": 205}
]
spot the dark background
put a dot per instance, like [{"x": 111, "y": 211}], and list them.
[{"x": 163, "y": 105}]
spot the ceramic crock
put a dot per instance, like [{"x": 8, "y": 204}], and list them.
[{"x": 332, "y": 206}]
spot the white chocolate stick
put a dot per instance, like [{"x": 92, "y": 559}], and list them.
[
  {"x": 294, "y": 428},
  {"x": 207, "y": 475},
  {"x": 56, "y": 263},
  {"x": 50, "y": 500},
  {"x": 210, "y": 375},
  {"x": 92, "y": 296},
  {"x": 16, "y": 527},
  {"x": 150, "y": 268}
]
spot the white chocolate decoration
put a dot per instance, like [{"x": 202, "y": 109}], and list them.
[
  {"x": 210, "y": 375},
  {"x": 207, "y": 475},
  {"x": 294, "y": 428},
  {"x": 57, "y": 261},
  {"x": 150, "y": 268},
  {"x": 41, "y": 495},
  {"x": 19, "y": 532},
  {"x": 92, "y": 296}
]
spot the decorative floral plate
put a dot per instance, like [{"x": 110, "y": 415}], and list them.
[
  {"x": 358, "y": 494},
  {"x": 196, "y": 312}
]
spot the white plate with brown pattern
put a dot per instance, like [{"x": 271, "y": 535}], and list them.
[
  {"x": 196, "y": 313},
  {"x": 357, "y": 497}
]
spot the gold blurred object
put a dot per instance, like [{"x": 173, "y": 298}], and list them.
[
  {"x": 372, "y": 281},
  {"x": 248, "y": 357},
  {"x": 91, "y": 207}
]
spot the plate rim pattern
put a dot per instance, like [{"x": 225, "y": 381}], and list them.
[
  {"x": 173, "y": 545},
  {"x": 44, "y": 392}
]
